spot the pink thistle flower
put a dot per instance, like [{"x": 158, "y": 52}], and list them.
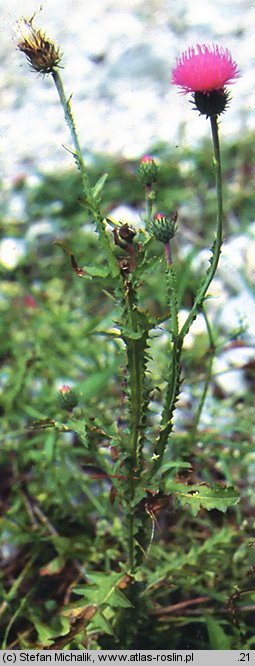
[{"x": 204, "y": 69}]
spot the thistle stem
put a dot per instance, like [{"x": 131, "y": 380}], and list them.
[
  {"x": 91, "y": 200},
  {"x": 218, "y": 240},
  {"x": 66, "y": 105},
  {"x": 168, "y": 253},
  {"x": 136, "y": 363},
  {"x": 171, "y": 278},
  {"x": 178, "y": 336},
  {"x": 149, "y": 203},
  {"x": 174, "y": 375},
  {"x": 208, "y": 376}
]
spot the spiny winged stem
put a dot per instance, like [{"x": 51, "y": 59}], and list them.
[
  {"x": 91, "y": 201},
  {"x": 136, "y": 363},
  {"x": 174, "y": 375},
  {"x": 178, "y": 337},
  {"x": 135, "y": 347}
]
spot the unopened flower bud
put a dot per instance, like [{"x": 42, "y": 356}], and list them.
[
  {"x": 148, "y": 170},
  {"x": 41, "y": 52},
  {"x": 67, "y": 398},
  {"x": 163, "y": 228}
]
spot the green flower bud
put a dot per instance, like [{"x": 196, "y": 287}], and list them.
[
  {"x": 163, "y": 228},
  {"x": 148, "y": 170},
  {"x": 67, "y": 398}
]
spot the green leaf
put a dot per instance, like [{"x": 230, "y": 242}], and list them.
[
  {"x": 168, "y": 563},
  {"x": 72, "y": 425},
  {"x": 107, "y": 246},
  {"x": 45, "y": 633},
  {"x": 118, "y": 600},
  {"x": 96, "y": 271},
  {"x": 97, "y": 188},
  {"x": 217, "y": 637},
  {"x": 97, "y": 381},
  {"x": 175, "y": 463},
  {"x": 128, "y": 334},
  {"x": 100, "y": 623},
  {"x": 202, "y": 496},
  {"x": 79, "y": 427},
  {"x": 104, "y": 590}
]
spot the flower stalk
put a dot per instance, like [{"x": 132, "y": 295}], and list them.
[
  {"x": 216, "y": 250},
  {"x": 208, "y": 376},
  {"x": 92, "y": 195},
  {"x": 148, "y": 173},
  {"x": 205, "y": 72},
  {"x": 66, "y": 105},
  {"x": 168, "y": 253}
]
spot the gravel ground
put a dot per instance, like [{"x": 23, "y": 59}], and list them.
[{"x": 117, "y": 62}]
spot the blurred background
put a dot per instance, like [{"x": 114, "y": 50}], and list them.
[{"x": 117, "y": 59}]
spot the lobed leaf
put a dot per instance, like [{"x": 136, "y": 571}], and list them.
[{"x": 202, "y": 496}]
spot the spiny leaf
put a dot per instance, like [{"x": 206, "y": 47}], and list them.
[
  {"x": 41, "y": 424},
  {"x": 202, "y": 496},
  {"x": 169, "y": 563},
  {"x": 104, "y": 590}
]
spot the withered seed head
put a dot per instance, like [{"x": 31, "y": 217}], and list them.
[{"x": 42, "y": 53}]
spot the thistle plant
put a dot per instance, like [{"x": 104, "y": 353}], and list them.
[{"x": 135, "y": 454}]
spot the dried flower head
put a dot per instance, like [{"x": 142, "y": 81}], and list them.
[
  {"x": 41, "y": 52},
  {"x": 205, "y": 71}
]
